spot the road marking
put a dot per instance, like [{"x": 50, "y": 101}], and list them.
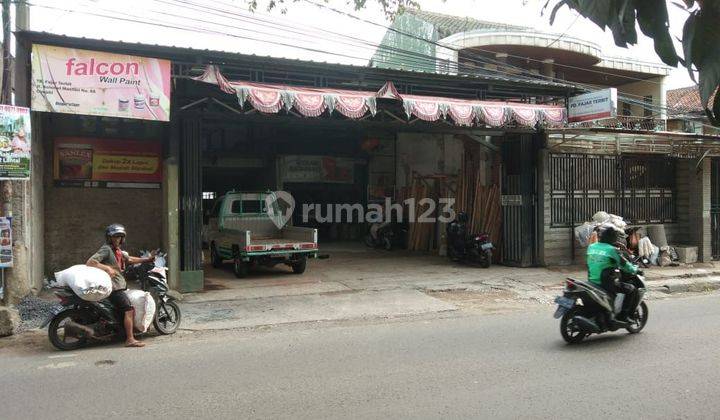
[
  {"x": 61, "y": 365},
  {"x": 62, "y": 356}
]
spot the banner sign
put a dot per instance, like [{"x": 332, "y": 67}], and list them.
[
  {"x": 88, "y": 162},
  {"x": 14, "y": 142},
  {"x": 318, "y": 169},
  {"x": 6, "y": 253},
  {"x": 85, "y": 82},
  {"x": 593, "y": 106}
]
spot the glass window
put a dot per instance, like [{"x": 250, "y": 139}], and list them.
[{"x": 208, "y": 195}]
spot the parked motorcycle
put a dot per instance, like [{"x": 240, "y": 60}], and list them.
[
  {"x": 587, "y": 309},
  {"x": 79, "y": 321},
  {"x": 477, "y": 250},
  {"x": 387, "y": 235}
]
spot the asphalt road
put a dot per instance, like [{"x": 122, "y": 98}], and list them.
[{"x": 451, "y": 366}]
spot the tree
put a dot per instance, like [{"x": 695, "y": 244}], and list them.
[{"x": 700, "y": 41}]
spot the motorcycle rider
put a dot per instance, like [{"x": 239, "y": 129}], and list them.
[
  {"x": 457, "y": 235},
  {"x": 604, "y": 261},
  {"x": 112, "y": 259}
]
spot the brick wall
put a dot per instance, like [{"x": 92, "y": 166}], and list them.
[{"x": 75, "y": 218}]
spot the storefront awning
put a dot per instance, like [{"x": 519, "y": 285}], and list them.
[{"x": 313, "y": 102}]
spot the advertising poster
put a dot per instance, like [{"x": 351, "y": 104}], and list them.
[
  {"x": 14, "y": 142},
  {"x": 104, "y": 163},
  {"x": 74, "y": 81},
  {"x": 318, "y": 169},
  {"x": 6, "y": 254}
]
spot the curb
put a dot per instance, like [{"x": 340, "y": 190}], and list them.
[{"x": 695, "y": 285}]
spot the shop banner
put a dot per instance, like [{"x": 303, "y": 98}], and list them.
[
  {"x": 593, "y": 106},
  {"x": 88, "y": 162},
  {"x": 318, "y": 169},
  {"x": 6, "y": 253},
  {"x": 85, "y": 82},
  {"x": 14, "y": 142}
]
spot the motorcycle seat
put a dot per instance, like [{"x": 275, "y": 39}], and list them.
[{"x": 590, "y": 285}]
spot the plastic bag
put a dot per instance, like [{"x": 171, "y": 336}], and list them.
[
  {"x": 583, "y": 233},
  {"x": 144, "y": 306},
  {"x": 89, "y": 283}
]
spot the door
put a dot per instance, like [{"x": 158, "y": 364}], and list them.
[
  {"x": 519, "y": 154},
  {"x": 715, "y": 208}
]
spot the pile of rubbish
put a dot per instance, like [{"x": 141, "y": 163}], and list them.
[{"x": 637, "y": 241}]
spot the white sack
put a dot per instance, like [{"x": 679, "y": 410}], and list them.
[
  {"x": 89, "y": 283},
  {"x": 645, "y": 247},
  {"x": 583, "y": 232},
  {"x": 144, "y": 306}
]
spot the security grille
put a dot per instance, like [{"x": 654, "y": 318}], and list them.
[{"x": 641, "y": 189}]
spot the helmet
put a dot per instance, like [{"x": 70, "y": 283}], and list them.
[
  {"x": 608, "y": 234},
  {"x": 114, "y": 229},
  {"x": 462, "y": 217}
]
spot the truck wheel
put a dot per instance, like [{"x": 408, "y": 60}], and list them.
[
  {"x": 299, "y": 266},
  {"x": 240, "y": 268},
  {"x": 215, "y": 258}
]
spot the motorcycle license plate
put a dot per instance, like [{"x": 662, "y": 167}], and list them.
[
  {"x": 486, "y": 246},
  {"x": 564, "y": 305}
]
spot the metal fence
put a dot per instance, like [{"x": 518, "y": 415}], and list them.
[
  {"x": 641, "y": 189},
  {"x": 715, "y": 208}
]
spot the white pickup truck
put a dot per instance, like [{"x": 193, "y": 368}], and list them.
[{"x": 242, "y": 230}]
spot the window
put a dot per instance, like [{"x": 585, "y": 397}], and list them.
[
  {"x": 641, "y": 189},
  {"x": 647, "y": 108},
  {"x": 208, "y": 195},
  {"x": 247, "y": 206},
  {"x": 626, "y": 109}
]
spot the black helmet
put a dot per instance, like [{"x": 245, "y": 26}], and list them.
[
  {"x": 608, "y": 234},
  {"x": 462, "y": 217},
  {"x": 114, "y": 229}
]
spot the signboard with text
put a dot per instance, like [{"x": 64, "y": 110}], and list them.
[
  {"x": 74, "y": 81},
  {"x": 15, "y": 141},
  {"x": 318, "y": 169},
  {"x": 593, "y": 106},
  {"x": 6, "y": 249},
  {"x": 105, "y": 163}
]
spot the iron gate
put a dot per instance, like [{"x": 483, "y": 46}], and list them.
[
  {"x": 639, "y": 188},
  {"x": 715, "y": 208},
  {"x": 518, "y": 200}
]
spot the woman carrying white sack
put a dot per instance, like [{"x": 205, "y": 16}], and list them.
[{"x": 112, "y": 259}]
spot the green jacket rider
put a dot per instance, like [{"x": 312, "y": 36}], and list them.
[{"x": 601, "y": 256}]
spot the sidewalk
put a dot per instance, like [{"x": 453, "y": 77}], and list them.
[{"x": 357, "y": 283}]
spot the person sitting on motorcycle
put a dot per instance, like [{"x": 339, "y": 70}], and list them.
[
  {"x": 604, "y": 261},
  {"x": 112, "y": 259},
  {"x": 457, "y": 235}
]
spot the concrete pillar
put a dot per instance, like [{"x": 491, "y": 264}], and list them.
[
  {"x": 171, "y": 220},
  {"x": 699, "y": 219},
  {"x": 548, "y": 67}
]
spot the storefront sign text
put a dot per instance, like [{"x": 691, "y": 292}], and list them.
[{"x": 593, "y": 106}]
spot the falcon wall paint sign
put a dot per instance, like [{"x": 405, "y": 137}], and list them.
[{"x": 74, "y": 81}]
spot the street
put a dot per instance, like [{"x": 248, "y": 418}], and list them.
[{"x": 460, "y": 365}]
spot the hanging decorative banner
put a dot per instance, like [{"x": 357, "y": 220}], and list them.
[
  {"x": 6, "y": 242},
  {"x": 313, "y": 102},
  {"x": 88, "y": 162},
  {"x": 15, "y": 141},
  {"x": 74, "y": 81}
]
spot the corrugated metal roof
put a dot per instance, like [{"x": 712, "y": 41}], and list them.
[{"x": 216, "y": 56}]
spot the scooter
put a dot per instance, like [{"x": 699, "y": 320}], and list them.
[
  {"x": 586, "y": 309},
  {"x": 77, "y": 322},
  {"x": 387, "y": 235},
  {"x": 478, "y": 250}
]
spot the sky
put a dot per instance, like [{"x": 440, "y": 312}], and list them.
[{"x": 304, "y": 31}]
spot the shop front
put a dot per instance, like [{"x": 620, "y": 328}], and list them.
[{"x": 154, "y": 152}]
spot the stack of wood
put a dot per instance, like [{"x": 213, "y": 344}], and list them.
[
  {"x": 419, "y": 234},
  {"x": 481, "y": 203}
]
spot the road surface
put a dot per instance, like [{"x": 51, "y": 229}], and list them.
[{"x": 459, "y": 365}]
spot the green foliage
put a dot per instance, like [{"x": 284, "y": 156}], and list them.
[
  {"x": 390, "y": 7},
  {"x": 701, "y": 36}
]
